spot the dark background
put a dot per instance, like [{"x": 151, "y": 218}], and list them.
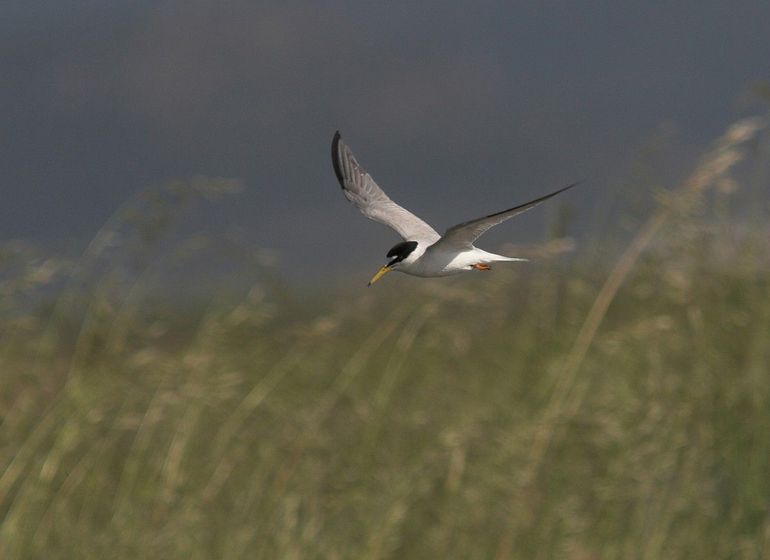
[{"x": 457, "y": 109}]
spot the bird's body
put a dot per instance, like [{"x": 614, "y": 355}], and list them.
[
  {"x": 435, "y": 260},
  {"x": 423, "y": 252}
]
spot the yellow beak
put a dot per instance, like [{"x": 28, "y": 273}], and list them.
[{"x": 380, "y": 273}]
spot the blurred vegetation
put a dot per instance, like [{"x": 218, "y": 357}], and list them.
[{"x": 614, "y": 404}]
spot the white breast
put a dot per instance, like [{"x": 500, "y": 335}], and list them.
[{"x": 439, "y": 263}]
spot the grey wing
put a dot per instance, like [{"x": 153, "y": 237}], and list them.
[
  {"x": 463, "y": 235},
  {"x": 360, "y": 189}
]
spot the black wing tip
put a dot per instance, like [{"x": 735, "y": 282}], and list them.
[
  {"x": 561, "y": 190},
  {"x": 538, "y": 200},
  {"x": 575, "y": 184},
  {"x": 571, "y": 185},
  {"x": 336, "y": 158}
]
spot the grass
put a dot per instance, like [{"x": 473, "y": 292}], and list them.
[{"x": 592, "y": 408}]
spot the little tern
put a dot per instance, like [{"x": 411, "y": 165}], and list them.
[{"x": 423, "y": 252}]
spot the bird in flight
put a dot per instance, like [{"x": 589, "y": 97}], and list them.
[{"x": 423, "y": 252}]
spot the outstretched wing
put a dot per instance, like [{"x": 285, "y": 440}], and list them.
[
  {"x": 463, "y": 235},
  {"x": 360, "y": 189}
]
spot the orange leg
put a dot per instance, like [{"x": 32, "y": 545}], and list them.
[{"x": 481, "y": 266}]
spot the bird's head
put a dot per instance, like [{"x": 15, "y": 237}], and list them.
[{"x": 398, "y": 255}]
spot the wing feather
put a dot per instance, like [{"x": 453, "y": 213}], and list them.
[
  {"x": 360, "y": 189},
  {"x": 464, "y": 234}
]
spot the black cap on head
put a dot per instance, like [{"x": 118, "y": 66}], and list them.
[{"x": 399, "y": 252}]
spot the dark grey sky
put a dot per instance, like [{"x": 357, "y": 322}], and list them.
[{"x": 477, "y": 105}]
